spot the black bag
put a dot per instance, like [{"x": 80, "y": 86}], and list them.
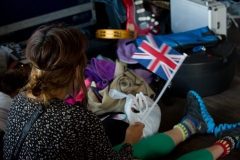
[{"x": 207, "y": 72}]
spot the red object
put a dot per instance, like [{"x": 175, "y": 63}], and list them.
[
  {"x": 225, "y": 148},
  {"x": 140, "y": 19}
]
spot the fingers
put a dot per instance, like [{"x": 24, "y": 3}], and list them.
[
  {"x": 140, "y": 125},
  {"x": 134, "y": 133}
]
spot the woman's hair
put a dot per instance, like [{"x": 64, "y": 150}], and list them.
[
  {"x": 12, "y": 80},
  {"x": 55, "y": 51}
]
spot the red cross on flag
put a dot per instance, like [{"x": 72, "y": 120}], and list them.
[{"x": 158, "y": 57}]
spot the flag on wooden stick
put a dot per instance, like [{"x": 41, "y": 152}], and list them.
[{"x": 159, "y": 58}]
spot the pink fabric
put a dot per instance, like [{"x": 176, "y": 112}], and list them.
[
  {"x": 80, "y": 96},
  {"x": 70, "y": 100}
]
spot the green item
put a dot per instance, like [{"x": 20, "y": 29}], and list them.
[{"x": 151, "y": 147}]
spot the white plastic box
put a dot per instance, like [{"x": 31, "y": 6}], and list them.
[{"x": 192, "y": 14}]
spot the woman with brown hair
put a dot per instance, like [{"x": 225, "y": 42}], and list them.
[{"x": 40, "y": 124}]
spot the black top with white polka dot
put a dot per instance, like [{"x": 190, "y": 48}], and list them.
[{"x": 63, "y": 131}]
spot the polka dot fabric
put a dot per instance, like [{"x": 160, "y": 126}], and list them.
[{"x": 64, "y": 131}]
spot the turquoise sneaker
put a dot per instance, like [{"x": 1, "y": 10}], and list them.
[
  {"x": 197, "y": 111},
  {"x": 232, "y": 130}
]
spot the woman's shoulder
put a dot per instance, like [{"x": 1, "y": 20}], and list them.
[
  {"x": 19, "y": 97},
  {"x": 70, "y": 108},
  {"x": 71, "y": 114},
  {"x": 56, "y": 107}
]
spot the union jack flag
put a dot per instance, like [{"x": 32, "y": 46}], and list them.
[{"x": 158, "y": 57}]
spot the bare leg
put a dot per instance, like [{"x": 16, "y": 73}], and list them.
[
  {"x": 176, "y": 135},
  {"x": 216, "y": 151}
]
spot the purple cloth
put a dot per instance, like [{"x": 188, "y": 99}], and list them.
[
  {"x": 125, "y": 50},
  {"x": 145, "y": 74},
  {"x": 100, "y": 71}
]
